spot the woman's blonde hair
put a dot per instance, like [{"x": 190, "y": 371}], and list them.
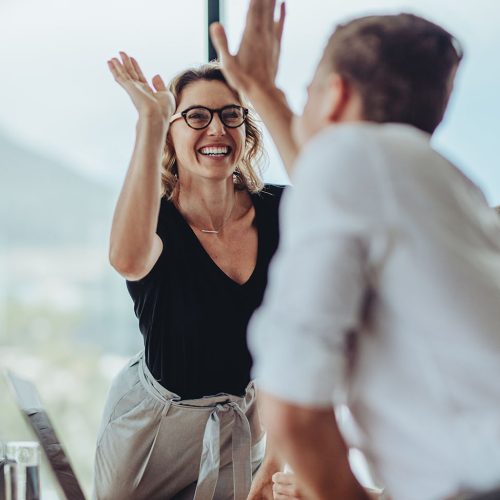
[{"x": 247, "y": 174}]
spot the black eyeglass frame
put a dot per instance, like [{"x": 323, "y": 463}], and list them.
[{"x": 219, "y": 111}]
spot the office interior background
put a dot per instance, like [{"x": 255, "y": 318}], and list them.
[{"x": 66, "y": 134}]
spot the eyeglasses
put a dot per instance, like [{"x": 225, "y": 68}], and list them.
[{"x": 199, "y": 117}]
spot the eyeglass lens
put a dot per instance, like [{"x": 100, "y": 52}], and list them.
[{"x": 232, "y": 116}]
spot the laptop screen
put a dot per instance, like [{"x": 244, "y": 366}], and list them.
[{"x": 30, "y": 404}]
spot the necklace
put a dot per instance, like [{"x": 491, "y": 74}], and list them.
[{"x": 214, "y": 231}]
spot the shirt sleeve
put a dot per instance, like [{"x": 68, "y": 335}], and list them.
[
  {"x": 319, "y": 277},
  {"x": 164, "y": 219}
]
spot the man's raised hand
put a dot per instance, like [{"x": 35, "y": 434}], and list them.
[{"x": 255, "y": 65}]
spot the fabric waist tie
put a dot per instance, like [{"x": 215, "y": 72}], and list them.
[
  {"x": 241, "y": 437},
  {"x": 210, "y": 456}
]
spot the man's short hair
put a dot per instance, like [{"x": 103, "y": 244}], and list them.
[{"x": 401, "y": 65}]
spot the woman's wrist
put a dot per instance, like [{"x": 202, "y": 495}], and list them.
[
  {"x": 152, "y": 124},
  {"x": 153, "y": 117}
]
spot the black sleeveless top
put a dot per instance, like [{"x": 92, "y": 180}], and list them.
[{"x": 192, "y": 315}]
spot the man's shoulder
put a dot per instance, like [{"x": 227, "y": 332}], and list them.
[
  {"x": 371, "y": 164},
  {"x": 368, "y": 149},
  {"x": 344, "y": 151},
  {"x": 365, "y": 136}
]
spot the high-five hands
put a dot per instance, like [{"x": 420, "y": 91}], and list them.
[
  {"x": 255, "y": 65},
  {"x": 150, "y": 102}
]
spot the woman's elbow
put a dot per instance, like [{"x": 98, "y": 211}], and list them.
[{"x": 128, "y": 266}]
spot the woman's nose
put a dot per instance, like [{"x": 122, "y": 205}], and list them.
[{"x": 216, "y": 126}]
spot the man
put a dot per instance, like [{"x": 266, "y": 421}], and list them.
[{"x": 385, "y": 293}]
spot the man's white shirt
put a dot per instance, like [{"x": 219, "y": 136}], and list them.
[{"x": 384, "y": 295}]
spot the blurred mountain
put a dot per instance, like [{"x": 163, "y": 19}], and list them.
[
  {"x": 45, "y": 202},
  {"x": 54, "y": 230}
]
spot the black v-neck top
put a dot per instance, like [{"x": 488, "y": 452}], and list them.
[{"x": 192, "y": 315}]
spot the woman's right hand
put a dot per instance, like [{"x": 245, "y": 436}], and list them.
[{"x": 156, "y": 102}]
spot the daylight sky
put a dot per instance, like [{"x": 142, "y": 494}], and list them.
[{"x": 56, "y": 95}]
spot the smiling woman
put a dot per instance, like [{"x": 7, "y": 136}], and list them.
[
  {"x": 199, "y": 83},
  {"x": 193, "y": 233}
]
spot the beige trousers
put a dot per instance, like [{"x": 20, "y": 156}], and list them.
[{"x": 152, "y": 445}]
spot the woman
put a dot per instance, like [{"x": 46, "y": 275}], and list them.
[{"x": 193, "y": 233}]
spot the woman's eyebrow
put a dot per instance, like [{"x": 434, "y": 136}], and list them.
[{"x": 208, "y": 107}]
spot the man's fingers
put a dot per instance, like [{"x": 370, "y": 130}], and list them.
[
  {"x": 233, "y": 70},
  {"x": 261, "y": 12},
  {"x": 260, "y": 15},
  {"x": 285, "y": 491},
  {"x": 270, "y": 10},
  {"x": 280, "y": 24},
  {"x": 285, "y": 485},
  {"x": 219, "y": 39},
  {"x": 283, "y": 478},
  {"x": 256, "y": 12}
]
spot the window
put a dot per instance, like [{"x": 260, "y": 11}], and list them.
[{"x": 66, "y": 134}]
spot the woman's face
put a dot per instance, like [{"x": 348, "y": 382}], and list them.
[{"x": 194, "y": 149}]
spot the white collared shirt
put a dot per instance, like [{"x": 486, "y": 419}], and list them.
[{"x": 385, "y": 295}]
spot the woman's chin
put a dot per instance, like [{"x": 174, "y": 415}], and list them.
[{"x": 217, "y": 167}]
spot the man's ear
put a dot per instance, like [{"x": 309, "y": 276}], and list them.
[{"x": 336, "y": 97}]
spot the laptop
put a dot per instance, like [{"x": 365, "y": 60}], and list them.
[{"x": 30, "y": 404}]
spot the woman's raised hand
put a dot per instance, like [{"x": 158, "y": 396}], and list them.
[{"x": 150, "y": 102}]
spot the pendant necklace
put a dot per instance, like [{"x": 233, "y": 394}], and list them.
[{"x": 216, "y": 231}]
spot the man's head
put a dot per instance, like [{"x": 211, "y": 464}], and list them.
[{"x": 393, "y": 68}]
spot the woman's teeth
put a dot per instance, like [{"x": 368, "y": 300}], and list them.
[{"x": 215, "y": 151}]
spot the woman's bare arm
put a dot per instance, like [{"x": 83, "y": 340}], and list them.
[{"x": 134, "y": 245}]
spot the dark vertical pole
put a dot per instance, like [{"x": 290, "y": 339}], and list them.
[{"x": 213, "y": 17}]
